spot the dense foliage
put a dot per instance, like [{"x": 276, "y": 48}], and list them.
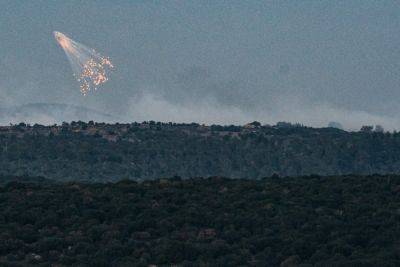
[
  {"x": 104, "y": 152},
  {"x": 322, "y": 221}
]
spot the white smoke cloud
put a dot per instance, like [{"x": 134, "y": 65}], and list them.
[
  {"x": 151, "y": 107},
  {"x": 34, "y": 118},
  {"x": 51, "y": 113},
  {"x": 320, "y": 115},
  {"x": 208, "y": 111}
]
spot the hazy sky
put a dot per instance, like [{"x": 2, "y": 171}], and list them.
[{"x": 212, "y": 61}]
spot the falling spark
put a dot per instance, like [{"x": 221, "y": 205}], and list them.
[{"x": 88, "y": 66}]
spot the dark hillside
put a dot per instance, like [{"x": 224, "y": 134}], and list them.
[
  {"x": 321, "y": 221},
  {"x": 106, "y": 152}
]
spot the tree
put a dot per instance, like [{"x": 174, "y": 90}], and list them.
[
  {"x": 379, "y": 129},
  {"x": 366, "y": 129}
]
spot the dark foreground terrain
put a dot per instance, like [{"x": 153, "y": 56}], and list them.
[{"x": 322, "y": 221}]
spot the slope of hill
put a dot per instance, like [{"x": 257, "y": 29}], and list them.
[
  {"x": 104, "y": 152},
  {"x": 306, "y": 221}
]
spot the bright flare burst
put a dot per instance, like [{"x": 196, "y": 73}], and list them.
[{"x": 88, "y": 66}]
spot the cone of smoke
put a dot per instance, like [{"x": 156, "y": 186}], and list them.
[{"x": 88, "y": 66}]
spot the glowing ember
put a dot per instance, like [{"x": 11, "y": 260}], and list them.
[{"x": 88, "y": 66}]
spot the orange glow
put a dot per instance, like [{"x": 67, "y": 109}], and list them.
[{"x": 89, "y": 67}]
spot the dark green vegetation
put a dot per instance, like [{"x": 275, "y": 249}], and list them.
[
  {"x": 104, "y": 152},
  {"x": 323, "y": 221}
]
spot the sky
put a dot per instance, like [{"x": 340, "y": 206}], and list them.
[{"x": 225, "y": 62}]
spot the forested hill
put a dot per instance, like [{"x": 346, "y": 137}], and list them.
[
  {"x": 104, "y": 152},
  {"x": 304, "y": 221}
]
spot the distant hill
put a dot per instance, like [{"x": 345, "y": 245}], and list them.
[
  {"x": 50, "y": 113},
  {"x": 106, "y": 152}
]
